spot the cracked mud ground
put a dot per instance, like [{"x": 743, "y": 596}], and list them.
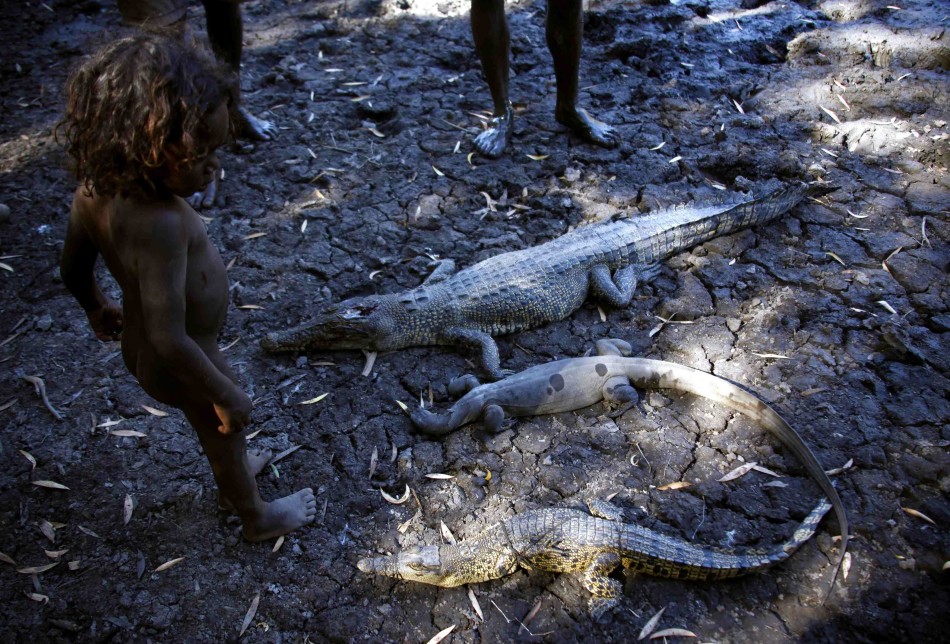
[{"x": 837, "y": 315}]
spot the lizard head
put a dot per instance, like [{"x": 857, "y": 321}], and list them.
[{"x": 357, "y": 323}]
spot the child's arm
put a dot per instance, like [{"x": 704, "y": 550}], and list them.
[
  {"x": 77, "y": 269},
  {"x": 162, "y": 262}
]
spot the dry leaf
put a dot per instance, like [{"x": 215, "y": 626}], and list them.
[
  {"x": 532, "y": 613},
  {"x": 253, "y": 236},
  {"x": 833, "y": 116},
  {"x": 742, "y": 470},
  {"x": 676, "y": 485},
  {"x": 249, "y": 616},
  {"x": 128, "y": 433},
  {"x": 155, "y": 412},
  {"x": 55, "y": 554},
  {"x": 37, "y": 597},
  {"x": 53, "y": 485},
  {"x": 5, "y": 558},
  {"x": 405, "y": 524},
  {"x": 127, "y": 507},
  {"x": 657, "y": 147},
  {"x": 370, "y": 361},
  {"x": 843, "y": 468},
  {"x": 887, "y": 306},
  {"x": 441, "y": 635},
  {"x": 402, "y": 405},
  {"x": 314, "y": 400},
  {"x": 438, "y": 172},
  {"x": 765, "y": 470},
  {"x": 651, "y": 625},
  {"x": 6, "y": 267},
  {"x": 110, "y": 423},
  {"x": 284, "y": 454},
  {"x": 88, "y": 531},
  {"x": 439, "y": 476},
  {"x": 373, "y": 460},
  {"x": 168, "y": 564},
  {"x": 278, "y": 544},
  {"x": 776, "y": 356},
  {"x": 919, "y": 515},
  {"x": 30, "y": 458},
  {"x": 537, "y": 157},
  {"x": 845, "y": 566},
  {"x": 475, "y": 606},
  {"x": 673, "y": 632},
  {"x": 469, "y": 158},
  {"x": 48, "y": 530},
  {"x": 447, "y": 534},
  {"x": 675, "y": 159},
  {"x": 251, "y": 307},
  {"x": 391, "y": 499},
  {"x": 835, "y": 257},
  {"x": 35, "y": 570}
]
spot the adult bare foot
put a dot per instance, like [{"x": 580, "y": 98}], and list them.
[
  {"x": 587, "y": 127},
  {"x": 283, "y": 515},
  {"x": 257, "y": 460},
  {"x": 252, "y": 127},
  {"x": 491, "y": 143}
]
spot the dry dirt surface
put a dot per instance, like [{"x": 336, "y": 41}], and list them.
[{"x": 837, "y": 315}]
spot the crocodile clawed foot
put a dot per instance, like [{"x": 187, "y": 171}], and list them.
[{"x": 600, "y": 606}]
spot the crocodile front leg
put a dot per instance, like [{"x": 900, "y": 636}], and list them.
[
  {"x": 606, "y": 592},
  {"x": 481, "y": 341},
  {"x": 444, "y": 269}
]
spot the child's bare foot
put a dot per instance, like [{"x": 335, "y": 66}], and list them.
[
  {"x": 257, "y": 460},
  {"x": 283, "y": 515}
]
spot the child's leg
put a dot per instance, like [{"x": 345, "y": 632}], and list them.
[{"x": 233, "y": 473}]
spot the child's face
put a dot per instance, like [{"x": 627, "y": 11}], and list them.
[{"x": 185, "y": 179}]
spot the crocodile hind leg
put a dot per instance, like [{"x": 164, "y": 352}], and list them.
[
  {"x": 606, "y": 591},
  {"x": 617, "y": 290},
  {"x": 492, "y": 418}
]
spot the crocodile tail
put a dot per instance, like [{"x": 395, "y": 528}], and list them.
[{"x": 681, "y": 560}]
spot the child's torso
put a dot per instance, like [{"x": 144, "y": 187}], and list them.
[{"x": 121, "y": 230}]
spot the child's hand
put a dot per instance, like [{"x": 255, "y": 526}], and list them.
[
  {"x": 236, "y": 414},
  {"x": 106, "y": 321}
]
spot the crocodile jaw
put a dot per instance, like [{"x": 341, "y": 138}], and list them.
[
  {"x": 359, "y": 323},
  {"x": 419, "y": 563}
]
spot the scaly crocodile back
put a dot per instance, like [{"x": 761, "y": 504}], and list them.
[{"x": 526, "y": 288}]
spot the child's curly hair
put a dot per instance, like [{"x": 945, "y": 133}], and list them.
[{"x": 134, "y": 107}]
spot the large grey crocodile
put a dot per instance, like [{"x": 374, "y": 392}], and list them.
[
  {"x": 566, "y": 540},
  {"x": 526, "y": 288}
]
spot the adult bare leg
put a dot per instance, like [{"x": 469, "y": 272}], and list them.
[
  {"x": 564, "y": 31},
  {"x": 490, "y": 33},
  {"x": 225, "y": 32}
]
